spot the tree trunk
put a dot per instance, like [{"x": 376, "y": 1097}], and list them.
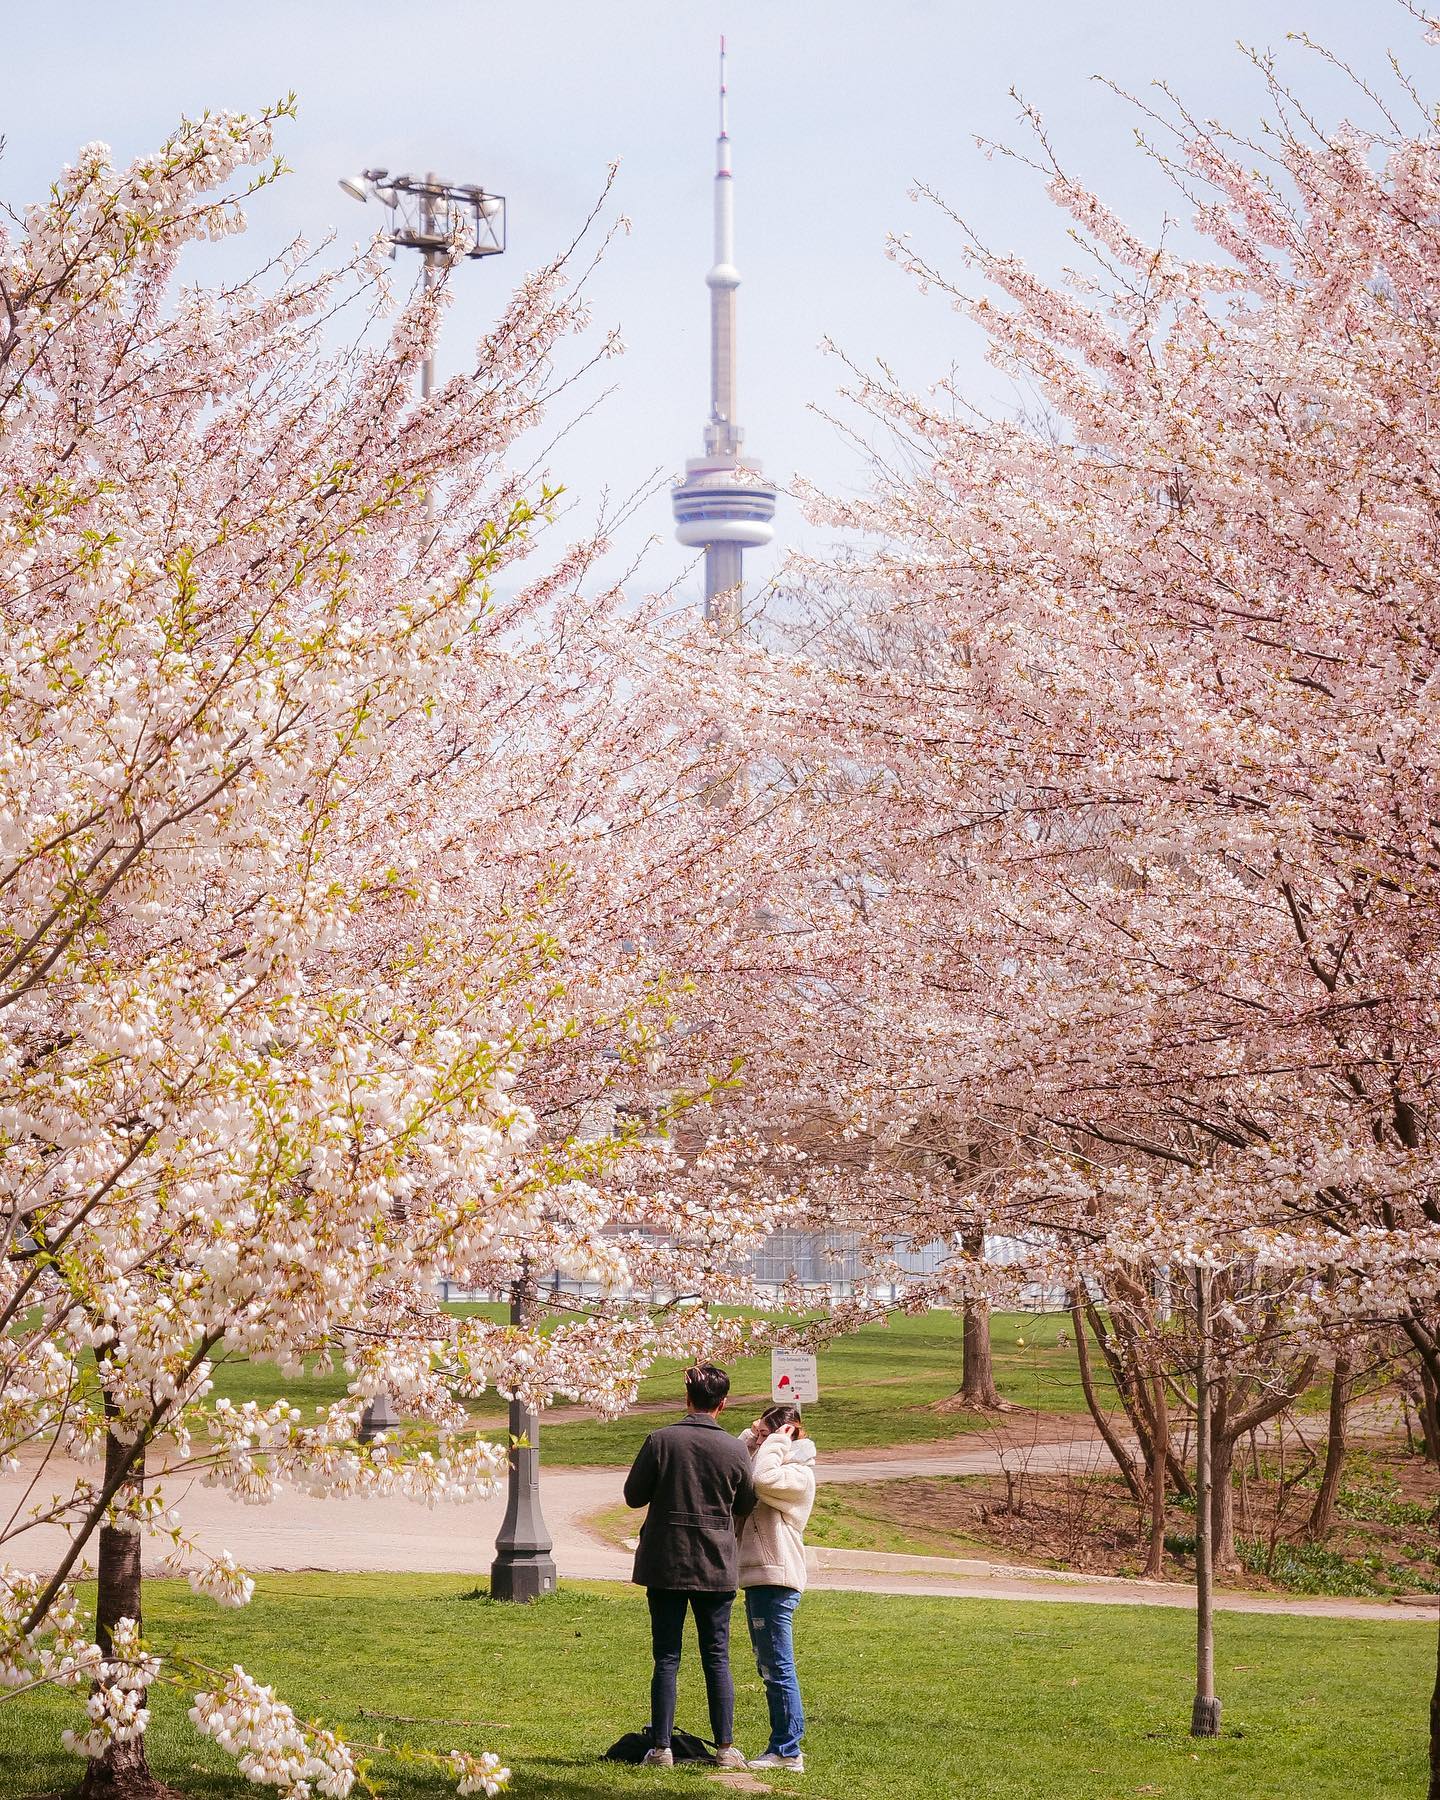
[
  {"x": 1222, "y": 1501},
  {"x": 1132, "y": 1391},
  {"x": 1123, "y": 1459},
  {"x": 1430, "y": 1412},
  {"x": 1155, "y": 1562},
  {"x": 122, "y": 1773},
  {"x": 977, "y": 1392},
  {"x": 1322, "y": 1515},
  {"x": 1123, "y": 1367},
  {"x": 977, "y": 1369}
]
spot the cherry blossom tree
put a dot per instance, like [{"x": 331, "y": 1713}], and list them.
[
  {"x": 343, "y": 869},
  {"x": 1149, "y": 847}
]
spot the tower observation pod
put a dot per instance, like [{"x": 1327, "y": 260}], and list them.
[{"x": 724, "y": 505}]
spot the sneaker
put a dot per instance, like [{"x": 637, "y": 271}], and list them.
[
  {"x": 794, "y": 1764},
  {"x": 730, "y": 1758},
  {"x": 658, "y": 1758}
]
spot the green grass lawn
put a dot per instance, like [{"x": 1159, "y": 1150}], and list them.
[
  {"x": 877, "y": 1387},
  {"x": 906, "y": 1697}
]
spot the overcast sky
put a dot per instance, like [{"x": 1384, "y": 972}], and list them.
[{"x": 837, "y": 106}]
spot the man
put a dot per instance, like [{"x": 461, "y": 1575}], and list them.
[{"x": 695, "y": 1478}]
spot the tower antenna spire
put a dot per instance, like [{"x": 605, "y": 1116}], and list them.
[{"x": 723, "y": 505}]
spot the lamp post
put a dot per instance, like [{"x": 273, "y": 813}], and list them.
[
  {"x": 523, "y": 1568},
  {"x": 428, "y": 215}
]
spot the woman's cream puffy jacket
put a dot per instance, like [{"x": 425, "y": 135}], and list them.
[{"x": 772, "y": 1540}]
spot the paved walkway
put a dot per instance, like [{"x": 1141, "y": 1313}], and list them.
[{"x": 397, "y": 1536}]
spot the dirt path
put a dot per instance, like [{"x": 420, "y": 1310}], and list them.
[{"x": 298, "y": 1532}]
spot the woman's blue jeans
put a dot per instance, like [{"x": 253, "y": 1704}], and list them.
[{"x": 769, "y": 1612}]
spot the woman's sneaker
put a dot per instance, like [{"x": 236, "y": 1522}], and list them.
[
  {"x": 795, "y": 1764},
  {"x": 658, "y": 1758},
  {"x": 730, "y": 1758}
]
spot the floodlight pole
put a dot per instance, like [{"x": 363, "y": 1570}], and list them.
[
  {"x": 429, "y": 277},
  {"x": 523, "y": 1568},
  {"x": 426, "y": 214},
  {"x": 429, "y": 214}
]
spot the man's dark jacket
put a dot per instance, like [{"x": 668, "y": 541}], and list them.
[{"x": 695, "y": 1478}]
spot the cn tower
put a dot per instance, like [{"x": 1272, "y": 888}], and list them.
[{"x": 724, "y": 505}]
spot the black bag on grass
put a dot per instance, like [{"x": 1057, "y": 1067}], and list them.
[{"x": 636, "y": 1745}]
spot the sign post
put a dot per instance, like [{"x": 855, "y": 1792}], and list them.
[{"x": 793, "y": 1377}]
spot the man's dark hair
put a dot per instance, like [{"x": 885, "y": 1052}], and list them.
[{"x": 706, "y": 1386}]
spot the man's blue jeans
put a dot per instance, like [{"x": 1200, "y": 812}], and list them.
[
  {"x": 667, "y": 1633},
  {"x": 769, "y": 1612}
]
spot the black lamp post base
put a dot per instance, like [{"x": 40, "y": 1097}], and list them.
[
  {"x": 524, "y": 1576},
  {"x": 378, "y": 1416}
]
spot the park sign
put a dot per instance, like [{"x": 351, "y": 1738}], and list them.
[{"x": 793, "y": 1377}]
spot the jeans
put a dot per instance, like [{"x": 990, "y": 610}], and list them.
[
  {"x": 770, "y": 1612},
  {"x": 667, "y": 1634}
]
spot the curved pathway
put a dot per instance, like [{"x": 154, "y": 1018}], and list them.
[{"x": 398, "y": 1536}]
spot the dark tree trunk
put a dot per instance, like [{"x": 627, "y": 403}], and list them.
[
  {"x": 977, "y": 1391},
  {"x": 1133, "y": 1392},
  {"x": 1124, "y": 1461},
  {"x": 1231, "y": 1424},
  {"x": 1222, "y": 1497},
  {"x": 1322, "y": 1515},
  {"x": 977, "y": 1369},
  {"x": 1155, "y": 1562},
  {"x": 1123, "y": 1366},
  {"x": 122, "y": 1773},
  {"x": 1430, "y": 1412}
]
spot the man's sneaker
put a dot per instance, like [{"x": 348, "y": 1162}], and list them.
[
  {"x": 658, "y": 1758},
  {"x": 730, "y": 1758},
  {"x": 795, "y": 1764}
]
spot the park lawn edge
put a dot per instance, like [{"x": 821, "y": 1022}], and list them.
[{"x": 908, "y": 1697}]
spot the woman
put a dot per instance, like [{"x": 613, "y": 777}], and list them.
[{"x": 772, "y": 1570}]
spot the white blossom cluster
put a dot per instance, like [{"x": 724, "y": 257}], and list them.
[
  {"x": 483, "y": 1774},
  {"x": 116, "y": 1704},
  {"x": 271, "y": 1747}
]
